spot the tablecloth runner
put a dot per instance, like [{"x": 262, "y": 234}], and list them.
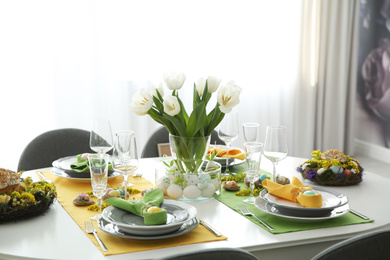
[
  {"x": 67, "y": 191},
  {"x": 282, "y": 225}
]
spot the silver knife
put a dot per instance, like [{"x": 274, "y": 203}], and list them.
[
  {"x": 210, "y": 228},
  {"x": 43, "y": 177},
  {"x": 358, "y": 214}
]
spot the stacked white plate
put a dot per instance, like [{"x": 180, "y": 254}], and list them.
[
  {"x": 181, "y": 219},
  {"x": 335, "y": 204}
]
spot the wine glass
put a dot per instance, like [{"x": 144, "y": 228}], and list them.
[
  {"x": 125, "y": 157},
  {"x": 253, "y": 152},
  {"x": 250, "y": 131},
  {"x": 228, "y": 132},
  {"x": 275, "y": 146},
  {"x": 100, "y": 139},
  {"x": 98, "y": 166}
]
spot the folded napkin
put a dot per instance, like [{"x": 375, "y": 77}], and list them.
[
  {"x": 82, "y": 164},
  {"x": 233, "y": 153},
  {"x": 142, "y": 207},
  {"x": 296, "y": 192}
]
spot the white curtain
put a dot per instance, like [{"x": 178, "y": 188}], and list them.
[{"x": 64, "y": 63}]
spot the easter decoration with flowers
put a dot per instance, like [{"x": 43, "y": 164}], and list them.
[
  {"x": 187, "y": 177},
  {"x": 331, "y": 168}
]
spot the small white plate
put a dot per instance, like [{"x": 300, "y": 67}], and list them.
[
  {"x": 178, "y": 213},
  {"x": 270, "y": 209},
  {"x": 113, "y": 229},
  {"x": 60, "y": 173}
]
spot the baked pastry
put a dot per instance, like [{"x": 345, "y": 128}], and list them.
[{"x": 9, "y": 181}]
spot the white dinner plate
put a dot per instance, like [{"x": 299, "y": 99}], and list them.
[
  {"x": 177, "y": 214},
  {"x": 330, "y": 199},
  {"x": 270, "y": 209},
  {"x": 113, "y": 229},
  {"x": 60, "y": 173}
]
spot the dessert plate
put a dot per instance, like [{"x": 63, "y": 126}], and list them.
[
  {"x": 65, "y": 163},
  {"x": 330, "y": 199},
  {"x": 271, "y": 209},
  {"x": 178, "y": 214},
  {"x": 113, "y": 229}
]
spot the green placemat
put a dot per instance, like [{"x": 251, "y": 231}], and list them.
[{"x": 282, "y": 225}]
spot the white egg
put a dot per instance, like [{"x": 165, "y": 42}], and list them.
[
  {"x": 209, "y": 190},
  {"x": 202, "y": 184},
  {"x": 216, "y": 183},
  {"x": 174, "y": 191},
  {"x": 164, "y": 189},
  {"x": 191, "y": 192}
]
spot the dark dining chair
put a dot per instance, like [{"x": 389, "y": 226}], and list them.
[
  {"x": 372, "y": 245},
  {"x": 161, "y": 136},
  {"x": 213, "y": 254},
  {"x": 52, "y": 145}
]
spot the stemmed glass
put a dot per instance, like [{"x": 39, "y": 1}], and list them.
[
  {"x": 98, "y": 166},
  {"x": 125, "y": 156},
  {"x": 275, "y": 146},
  {"x": 253, "y": 152},
  {"x": 250, "y": 131},
  {"x": 228, "y": 132},
  {"x": 100, "y": 139}
]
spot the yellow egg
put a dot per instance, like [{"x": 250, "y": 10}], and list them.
[{"x": 153, "y": 209}]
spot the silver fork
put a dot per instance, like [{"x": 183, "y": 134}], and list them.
[
  {"x": 137, "y": 174},
  {"x": 90, "y": 229},
  {"x": 246, "y": 212}
]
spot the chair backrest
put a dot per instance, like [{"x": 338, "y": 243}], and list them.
[
  {"x": 161, "y": 136},
  {"x": 52, "y": 145},
  {"x": 372, "y": 245},
  {"x": 213, "y": 254}
]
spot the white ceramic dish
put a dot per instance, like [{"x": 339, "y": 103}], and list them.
[
  {"x": 330, "y": 199},
  {"x": 178, "y": 213},
  {"x": 113, "y": 229},
  {"x": 60, "y": 173},
  {"x": 270, "y": 209}
]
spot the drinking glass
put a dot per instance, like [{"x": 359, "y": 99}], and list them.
[
  {"x": 125, "y": 157},
  {"x": 253, "y": 152},
  {"x": 98, "y": 166},
  {"x": 100, "y": 139},
  {"x": 250, "y": 131},
  {"x": 228, "y": 132},
  {"x": 275, "y": 146}
]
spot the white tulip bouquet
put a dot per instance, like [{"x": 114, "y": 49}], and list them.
[{"x": 170, "y": 111}]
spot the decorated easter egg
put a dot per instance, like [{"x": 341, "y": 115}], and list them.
[
  {"x": 114, "y": 193},
  {"x": 202, "y": 184},
  {"x": 347, "y": 172},
  {"x": 174, "y": 191},
  {"x": 262, "y": 177},
  {"x": 205, "y": 176},
  {"x": 336, "y": 169},
  {"x": 191, "y": 179},
  {"x": 309, "y": 192},
  {"x": 216, "y": 183},
  {"x": 121, "y": 192},
  {"x": 153, "y": 209},
  {"x": 191, "y": 192},
  {"x": 208, "y": 191},
  {"x": 166, "y": 181},
  {"x": 320, "y": 171}
]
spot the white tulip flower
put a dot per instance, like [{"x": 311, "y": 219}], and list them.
[
  {"x": 157, "y": 86},
  {"x": 171, "y": 105},
  {"x": 228, "y": 96},
  {"x": 212, "y": 84},
  {"x": 174, "y": 80},
  {"x": 141, "y": 102}
]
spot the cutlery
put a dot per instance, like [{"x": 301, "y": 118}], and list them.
[
  {"x": 43, "y": 177},
  {"x": 358, "y": 214},
  {"x": 210, "y": 228},
  {"x": 90, "y": 229},
  {"x": 246, "y": 212},
  {"x": 137, "y": 174}
]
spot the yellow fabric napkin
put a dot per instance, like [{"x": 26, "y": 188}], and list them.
[
  {"x": 67, "y": 191},
  {"x": 294, "y": 192},
  {"x": 234, "y": 153}
]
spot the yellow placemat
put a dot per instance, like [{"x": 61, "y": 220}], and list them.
[{"x": 67, "y": 191}]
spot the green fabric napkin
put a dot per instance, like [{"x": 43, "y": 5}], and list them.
[
  {"x": 282, "y": 225},
  {"x": 141, "y": 206},
  {"x": 82, "y": 165}
]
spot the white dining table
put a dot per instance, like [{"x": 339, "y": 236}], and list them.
[{"x": 55, "y": 235}]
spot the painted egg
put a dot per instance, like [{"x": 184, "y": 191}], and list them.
[
  {"x": 174, "y": 191},
  {"x": 202, "y": 184},
  {"x": 114, "y": 193},
  {"x": 347, "y": 172},
  {"x": 309, "y": 192},
  {"x": 191, "y": 192},
  {"x": 205, "y": 176},
  {"x": 320, "y": 171},
  {"x": 216, "y": 183},
  {"x": 153, "y": 209},
  {"x": 336, "y": 169},
  {"x": 208, "y": 191},
  {"x": 262, "y": 177},
  {"x": 191, "y": 179},
  {"x": 166, "y": 182}
]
